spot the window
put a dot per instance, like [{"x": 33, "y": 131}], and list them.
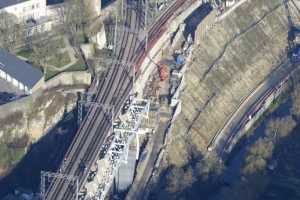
[
  {"x": 8, "y": 78},
  {"x": 2, "y": 74},
  {"x": 21, "y": 86},
  {"x": 15, "y": 82}
]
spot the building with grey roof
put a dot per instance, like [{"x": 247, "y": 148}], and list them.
[
  {"x": 7, "y": 3},
  {"x": 34, "y": 13},
  {"x": 19, "y": 73}
]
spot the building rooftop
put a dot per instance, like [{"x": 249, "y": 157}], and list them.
[
  {"x": 19, "y": 69},
  {"x": 7, "y": 3}
]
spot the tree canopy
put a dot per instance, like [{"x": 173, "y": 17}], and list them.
[{"x": 12, "y": 32}]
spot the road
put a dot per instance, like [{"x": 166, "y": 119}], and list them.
[
  {"x": 233, "y": 124},
  {"x": 138, "y": 189}
]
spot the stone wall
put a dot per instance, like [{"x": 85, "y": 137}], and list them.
[
  {"x": 24, "y": 122},
  {"x": 69, "y": 79},
  {"x": 237, "y": 54}
]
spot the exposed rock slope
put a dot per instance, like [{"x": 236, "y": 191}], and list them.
[
  {"x": 21, "y": 126},
  {"x": 236, "y": 55}
]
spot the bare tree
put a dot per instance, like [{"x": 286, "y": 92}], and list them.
[
  {"x": 280, "y": 126},
  {"x": 12, "y": 32},
  {"x": 179, "y": 179},
  {"x": 249, "y": 188},
  {"x": 210, "y": 167},
  {"x": 295, "y": 110},
  {"x": 43, "y": 49},
  {"x": 74, "y": 16},
  {"x": 174, "y": 179},
  {"x": 258, "y": 154}
]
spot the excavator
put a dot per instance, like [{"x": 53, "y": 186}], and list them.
[{"x": 293, "y": 49}]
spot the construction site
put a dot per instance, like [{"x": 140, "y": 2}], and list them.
[
  {"x": 164, "y": 88},
  {"x": 140, "y": 133},
  {"x": 195, "y": 88}
]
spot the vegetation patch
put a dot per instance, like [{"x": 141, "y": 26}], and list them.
[
  {"x": 60, "y": 59},
  {"x": 13, "y": 151},
  {"x": 78, "y": 66},
  {"x": 10, "y": 156},
  {"x": 14, "y": 118},
  {"x": 50, "y": 73},
  {"x": 25, "y": 53},
  {"x": 56, "y": 104},
  {"x": 40, "y": 102}
]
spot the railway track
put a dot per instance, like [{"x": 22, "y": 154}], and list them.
[
  {"x": 155, "y": 32},
  {"x": 112, "y": 91},
  {"x": 252, "y": 111},
  {"x": 94, "y": 141}
]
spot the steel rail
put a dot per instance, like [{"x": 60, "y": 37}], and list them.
[{"x": 107, "y": 96}]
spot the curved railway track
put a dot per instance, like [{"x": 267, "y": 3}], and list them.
[
  {"x": 250, "y": 114},
  {"x": 113, "y": 91}
]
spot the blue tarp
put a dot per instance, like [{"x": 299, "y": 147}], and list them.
[{"x": 180, "y": 60}]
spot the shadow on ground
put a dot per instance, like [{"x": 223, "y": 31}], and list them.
[
  {"x": 46, "y": 154},
  {"x": 280, "y": 183}
]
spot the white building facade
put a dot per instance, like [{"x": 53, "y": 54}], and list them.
[
  {"x": 38, "y": 15},
  {"x": 19, "y": 73},
  {"x": 33, "y": 12},
  {"x": 25, "y": 9},
  {"x": 14, "y": 82}
]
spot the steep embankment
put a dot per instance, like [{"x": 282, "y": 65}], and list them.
[
  {"x": 24, "y": 122},
  {"x": 229, "y": 62}
]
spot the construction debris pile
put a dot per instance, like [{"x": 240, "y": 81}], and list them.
[{"x": 172, "y": 76}]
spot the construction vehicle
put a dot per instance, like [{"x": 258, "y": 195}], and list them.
[{"x": 293, "y": 49}]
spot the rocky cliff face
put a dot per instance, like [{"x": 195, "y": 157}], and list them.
[
  {"x": 20, "y": 128},
  {"x": 229, "y": 62}
]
